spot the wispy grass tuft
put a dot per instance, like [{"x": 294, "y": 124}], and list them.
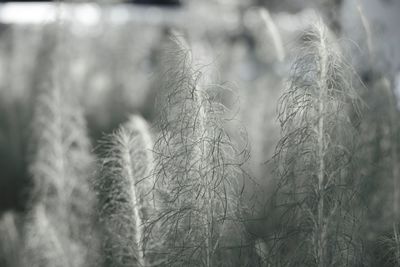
[
  {"x": 60, "y": 166},
  {"x": 316, "y": 151},
  {"x": 126, "y": 196},
  {"x": 197, "y": 166}
]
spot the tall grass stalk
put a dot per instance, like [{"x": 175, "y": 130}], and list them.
[
  {"x": 196, "y": 165},
  {"x": 60, "y": 166},
  {"x": 315, "y": 152},
  {"x": 274, "y": 33},
  {"x": 367, "y": 28},
  {"x": 126, "y": 193}
]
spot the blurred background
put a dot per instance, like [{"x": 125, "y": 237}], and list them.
[{"x": 109, "y": 57}]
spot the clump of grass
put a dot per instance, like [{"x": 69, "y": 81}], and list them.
[
  {"x": 126, "y": 197},
  {"x": 316, "y": 152},
  {"x": 197, "y": 168}
]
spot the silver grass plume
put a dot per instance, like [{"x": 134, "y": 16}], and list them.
[
  {"x": 61, "y": 166},
  {"x": 197, "y": 170},
  {"x": 126, "y": 197},
  {"x": 274, "y": 34},
  {"x": 316, "y": 152}
]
